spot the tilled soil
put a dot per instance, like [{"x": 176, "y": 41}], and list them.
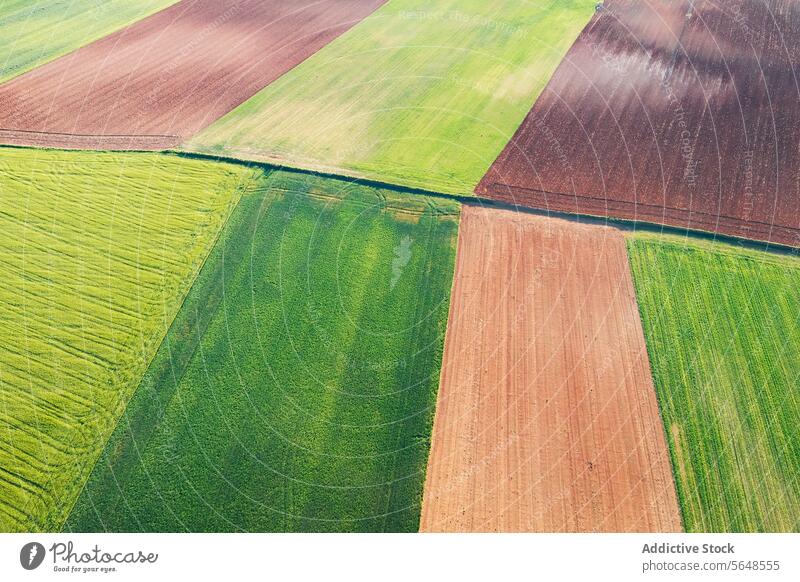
[
  {"x": 547, "y": 418},
  {"x": 159, "y": 81},
  {"x": 683, "y": 113}
]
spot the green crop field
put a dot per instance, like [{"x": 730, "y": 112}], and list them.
[
  {"x": 723, "y": 330},
  {"x": 419, "y": 94},
  {"x": 34, "y": 32},
  {"x": 295, "y": 390},
  {"x": 96, "y": 253}
]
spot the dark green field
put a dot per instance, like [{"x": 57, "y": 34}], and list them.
[
  {"x": 97, "y": 252},
  {"x": 296, "y": 388},
  {"x": 723, "y": 330}
]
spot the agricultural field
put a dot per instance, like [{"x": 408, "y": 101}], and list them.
[
  {"x": 96, "y": 253},
  {"x": 681, "y": 113},
  {"x": 231, "y": 309},
  {"x": 153, "y": 84},
  {"x": 722, "y": 329},
  {"x": 295, "y": 390},
  {"x": 419, "y": 94},
  {"x": 35, "y": 32},
  {"x": 547, "y": 419}
]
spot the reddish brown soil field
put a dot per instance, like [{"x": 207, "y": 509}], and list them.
[
  {"x": 677, "y": 112},
  {"x": 157, "y": 82},
  {"x": 547, "y": 418}
]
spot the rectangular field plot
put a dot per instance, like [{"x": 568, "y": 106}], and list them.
[
  {"x": 295, "y": 390},
  {"x": 96, "y": 253},
  {"x": 677, "y": 112},
  {"x": 546, "y": 418},
  {"x": 420, "y": 94},
  {"x": 723, "y": 329},
  {"x": 153, "y": 84},
  {"x": 34, "y": 32}
]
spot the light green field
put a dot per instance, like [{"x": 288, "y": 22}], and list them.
[
  {"x": 418, "y": 94},
  {"x": 296, "y": 388},
  {"x": 97, "y": 252},
  {"x": 723, "y": 330},
  {"x": 33, "y": 32}
]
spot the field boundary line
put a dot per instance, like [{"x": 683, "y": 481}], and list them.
[
  {"x": 91, "y": 135},
  {"x": 10, "y": 76},
  {"x": 649, "y": 355},
  {"x": 242, "y": 193},
  {"x": 87, "y": 142},
  {"x": 447, "y": 340},
  {"x": 624, "y": 224},
  {"x": 639, "y": 205}
]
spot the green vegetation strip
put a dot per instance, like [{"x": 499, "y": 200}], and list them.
[
  {"x": 33, "y": 33},
  {"x": 419, "y": 94},
  {"x": 296, "y": 388},
  {"x": 96, "y": 253},
  {"x": 723, "y": 330}
]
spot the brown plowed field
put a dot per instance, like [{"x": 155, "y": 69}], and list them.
[
  {"x": 161, "y": 80},
  {"x": 547, "y": 418},
  {"x": 677, "y": 112}
]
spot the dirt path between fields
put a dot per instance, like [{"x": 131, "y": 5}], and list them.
[
  {"x": 155, "y": 83},
  {"x": 547, "y": 417}
]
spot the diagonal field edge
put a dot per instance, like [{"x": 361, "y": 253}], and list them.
[
  {"x": 678, "y": 113},
  {"x": 172, "y": 73}
]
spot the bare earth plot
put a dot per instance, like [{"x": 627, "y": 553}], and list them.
[
  {"x": 546, "y": 418},
  {"x": 682, "y": 113},
  {"x": 151, "y": 85}
]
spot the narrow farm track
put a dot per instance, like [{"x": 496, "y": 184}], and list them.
[
  {"x": 152, "y": 84},
  {"x": 546, "y": 418},
  {"x": 683, "y": 113}
]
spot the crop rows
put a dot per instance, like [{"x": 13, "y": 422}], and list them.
[
  {"x": 32, "y": 33},
  {"x": 419, "y": 94},
  {"x": 722, "y": 327},
  {"x": 96, "y": 253},
  {"x": 296, "y": 389}
]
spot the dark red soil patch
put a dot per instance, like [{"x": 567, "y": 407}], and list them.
[
  {"x": 674, "y": 112},
  {"x": 159, "y": 81}
]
